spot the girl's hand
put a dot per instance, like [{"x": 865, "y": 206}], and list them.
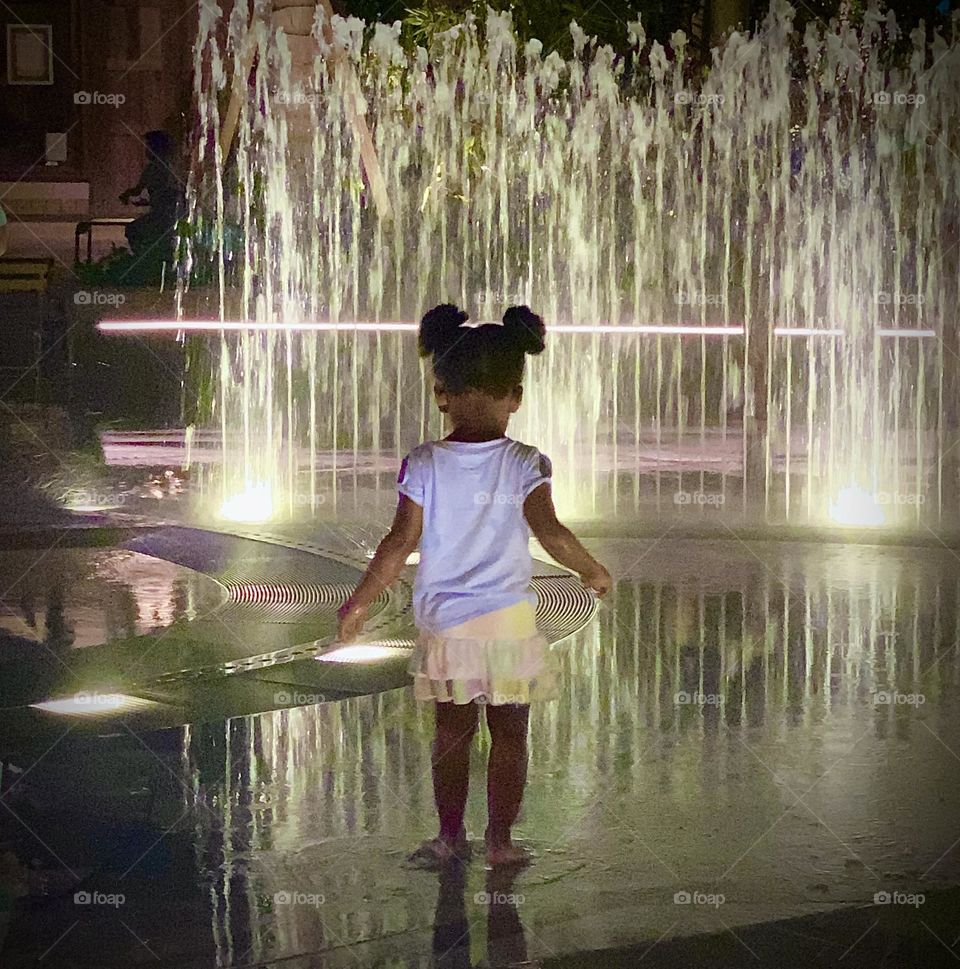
[
  {"x": 598, "y": 579},
  {"x": 351, "y": 619}
]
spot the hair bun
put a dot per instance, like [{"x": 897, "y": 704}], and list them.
[
  {"x": 526, "y": 329},
  {"x": 439, "y": 326}
]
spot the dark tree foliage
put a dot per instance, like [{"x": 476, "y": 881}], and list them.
[{"x": 548, "y": 20}]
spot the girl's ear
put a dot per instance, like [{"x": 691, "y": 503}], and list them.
[
  {"x": 440, "y": 395},
  {"x": 517, "y": 399}
]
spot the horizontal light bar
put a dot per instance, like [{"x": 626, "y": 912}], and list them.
[
  {"x": 665, "y": 330},
  {"x": 809, "y": 331},
  {"x": 225, "y": 326},
  {"x": 917, "y": 334},
  {"x": 178, "y": 326}
]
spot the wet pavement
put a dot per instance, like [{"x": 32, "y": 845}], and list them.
[{"x": 747, "y": 733}]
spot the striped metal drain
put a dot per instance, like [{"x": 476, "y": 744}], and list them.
[
  {"x": 292, "y": 601},
  {"x": 563, "y": 605},
  {"x": 272, "y": 580}
]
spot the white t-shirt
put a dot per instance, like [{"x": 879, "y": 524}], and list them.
[{"x": 474, "y": 553}]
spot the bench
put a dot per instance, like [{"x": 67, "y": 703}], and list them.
[{"x": 86, "y": 228}]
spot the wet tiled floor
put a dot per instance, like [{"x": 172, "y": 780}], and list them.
[{"x": 746, "y": 732}]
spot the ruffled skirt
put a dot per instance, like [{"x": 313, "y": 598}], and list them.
[{"x": 497, "y": 658}]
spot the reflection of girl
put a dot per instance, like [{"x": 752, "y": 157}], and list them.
[
  {"x": 506, "y": 939},
  {"x": 163, "y": 195}
]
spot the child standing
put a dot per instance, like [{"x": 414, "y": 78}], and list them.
[{"x": 468, "y": 500}]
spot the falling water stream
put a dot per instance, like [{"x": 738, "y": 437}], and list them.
[{"x": 803, "y": 194}]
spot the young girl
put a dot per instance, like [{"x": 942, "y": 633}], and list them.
[{"x": 468, "y": 501}]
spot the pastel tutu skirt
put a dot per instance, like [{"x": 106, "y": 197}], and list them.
[{"x": 497, "y": 658}]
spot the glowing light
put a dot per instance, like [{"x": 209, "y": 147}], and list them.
[
  {"x": 646, "y": 329},
  {"x": 854, "y": 506},
  {"x": 179, "y": 326},
  {"x": 255, "y": 504},
  {"x": 917, "y": 334},
  {"x": 649, "y": 329},
  {"x": 86, "y": 704},
  {"x": 412, "y": 559},
  {"x": 361, "y": 653}
]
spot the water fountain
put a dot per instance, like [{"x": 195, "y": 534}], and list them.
[{"x": 750, "y": 278}]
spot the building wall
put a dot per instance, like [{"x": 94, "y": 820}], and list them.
[
  {"x": 28, "y": 111},
  {"x": 121, "y": 68}
]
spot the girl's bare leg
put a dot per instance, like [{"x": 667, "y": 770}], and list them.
[
  {"x": 506, "y": 778},
  {"x": 456, "y": 725}
]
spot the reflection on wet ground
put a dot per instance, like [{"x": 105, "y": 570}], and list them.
[
  {"x": 74, "y": 597},
  {"x": 745, "y": 733}
]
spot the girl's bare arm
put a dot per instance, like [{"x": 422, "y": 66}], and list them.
[
  {"x": 383, "y": 570},
  {"x": 560, "y": 542}
]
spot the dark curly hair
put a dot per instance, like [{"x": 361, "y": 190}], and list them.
[{"x": 489, "y": 357}]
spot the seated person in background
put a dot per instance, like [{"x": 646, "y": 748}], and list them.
[{"x": 155, "y": 229}]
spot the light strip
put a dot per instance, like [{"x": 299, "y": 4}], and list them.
[
  {"x": 225, "y": 326},
  {"x": 178, "y": 326},
  {"x": 917, "y": 334},
  {"x": 651, "y": 329}
]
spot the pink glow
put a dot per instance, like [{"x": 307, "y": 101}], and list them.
[
  {"x": 916, "y": 334},
  {"x": 191, "y": 326},
  {"x": 226, "y": 326},
  {"x": 805, "y": 331}
]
